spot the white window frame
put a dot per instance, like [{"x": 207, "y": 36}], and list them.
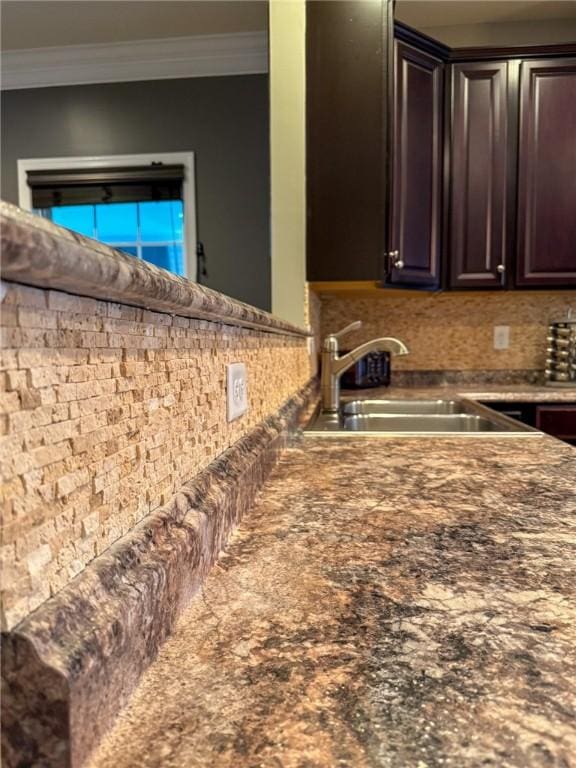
[{"x": 111, "y": 161}]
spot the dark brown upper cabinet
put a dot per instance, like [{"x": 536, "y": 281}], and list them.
[
  {"x": 417, "y": 140},
  {"x": 429, "y": 166},
  {"x": 348, "y": 90},
  {"x": 479, "y": 173},
  {"x": 547, "y": 174}
]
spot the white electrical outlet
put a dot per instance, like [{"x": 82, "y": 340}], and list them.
[
  {"x": 236, "y": 389},
  {"x": 501, "y": 336}
]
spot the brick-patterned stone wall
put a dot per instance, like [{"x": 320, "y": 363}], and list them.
[
  {"x": 105, "y": 411},
  {"x": 453, "y": 330},
  {"x": 314, "y": 320}
]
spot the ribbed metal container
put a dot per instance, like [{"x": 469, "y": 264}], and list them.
[{"x": 561, "y": 354}]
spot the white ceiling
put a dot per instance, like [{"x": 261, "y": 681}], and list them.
[
  {"x": 46, "y": 23},
  {"x": 442, "y": 13}
]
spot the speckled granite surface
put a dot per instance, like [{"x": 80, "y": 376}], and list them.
[
  {"x": 69, "y": 667},
  {"x": 37, "y": 252},
  {"x": 528, "y": 393},
  {"x": 387, "y": 603}
]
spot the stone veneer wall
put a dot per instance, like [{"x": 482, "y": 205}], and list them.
[
  {"x": 314, "y": 320},
  {"x": 453, "y": 331},
  {"x": 106, "y": 410}
]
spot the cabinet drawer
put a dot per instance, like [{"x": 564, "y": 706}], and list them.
[{"x": 557, "y": 420}]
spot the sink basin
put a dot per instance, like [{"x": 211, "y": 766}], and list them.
[
  {"x": 420, "y": 424},
  {"x": 404, "y": 406},
  {"x": 416, "y": 418}
]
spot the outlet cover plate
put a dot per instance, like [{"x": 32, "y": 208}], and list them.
[
  {"x": 236, "y": 390},
  {"x": 501, "y": 336}
]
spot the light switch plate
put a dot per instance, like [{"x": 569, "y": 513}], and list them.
[
  {"x": 236, "y": 390},
  {"x": 501, "y": 336}
]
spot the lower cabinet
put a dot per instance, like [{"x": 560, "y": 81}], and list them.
[{"x": 556, "y": 419}]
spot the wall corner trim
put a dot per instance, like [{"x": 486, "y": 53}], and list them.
[{"x": 244, "y": 53}]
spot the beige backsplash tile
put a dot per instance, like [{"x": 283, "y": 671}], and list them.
[
  {"x": 105, "y": 411},
  {"x": 453, "y": 331}
]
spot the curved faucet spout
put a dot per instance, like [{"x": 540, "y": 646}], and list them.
[
  {"x": 334, "y": 366},
  {"x": 387, "y": 344}
]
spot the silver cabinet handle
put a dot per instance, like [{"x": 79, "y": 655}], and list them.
[
  {"x": 501, "y": 268},
  {"x": 392, "y": 261}
]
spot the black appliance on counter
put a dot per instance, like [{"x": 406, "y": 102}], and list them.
[{"x": 373, "y": 370}]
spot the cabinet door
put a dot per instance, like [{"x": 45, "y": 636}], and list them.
[
  {"x": 479, "y": 175},
  {"x": 547, "y": 174},
  {"x": 558, "y": 420},
  {"x": 347, "y": 146},
  {"x": 417, "y": 150}
]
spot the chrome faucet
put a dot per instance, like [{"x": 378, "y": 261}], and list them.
[{"x": 333, "y": 366}]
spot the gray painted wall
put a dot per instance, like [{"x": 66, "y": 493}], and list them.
[{"x": 224, "y": 120}]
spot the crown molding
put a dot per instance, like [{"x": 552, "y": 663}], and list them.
[{"x": 244, "y": 53}]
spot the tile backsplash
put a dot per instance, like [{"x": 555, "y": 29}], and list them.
[
  {"x": 453, "y": 331},
  {"x": 105, "y": 411}
]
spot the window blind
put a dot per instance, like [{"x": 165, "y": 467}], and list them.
[{"x": 90, "y": 186}]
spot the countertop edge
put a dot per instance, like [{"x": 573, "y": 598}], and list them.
[
  {"x": 476, "y": 392},
  {"x": 78, "y": 656},
  {"x": 37, "y": 252}
]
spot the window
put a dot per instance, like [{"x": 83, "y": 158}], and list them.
[
  {"x": 152, "y": 231},
  {"x": 141, "y": 205}
]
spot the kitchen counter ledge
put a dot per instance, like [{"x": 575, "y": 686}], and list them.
[
  {"x": 35, "y": 251},
  {"x": 386, "y": 603},
  {"x": 527, "y": 393}
]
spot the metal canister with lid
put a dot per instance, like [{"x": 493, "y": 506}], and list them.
[{"x": 561, "y": 353}]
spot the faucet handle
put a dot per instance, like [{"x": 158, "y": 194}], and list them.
[{"x": 348, "y": 329}]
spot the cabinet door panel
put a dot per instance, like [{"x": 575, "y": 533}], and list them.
[
  {"x": 417, "y": 188},
  {"x": 347, "y": 87},
  {"x": 557, "y": 420},
  {"x": 480, "y": 158},
  {"x": 547, "y": 173}
]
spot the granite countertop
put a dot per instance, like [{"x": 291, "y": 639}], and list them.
[
  {"x": 386, "y": 603},
  {"x": 484, "y": 392}
]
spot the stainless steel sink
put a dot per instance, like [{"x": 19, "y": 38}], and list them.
[
  {"x": 404, "y": 406},
  {"x": 416, "y": 418},
  {"x": 461, "y": 422}
]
